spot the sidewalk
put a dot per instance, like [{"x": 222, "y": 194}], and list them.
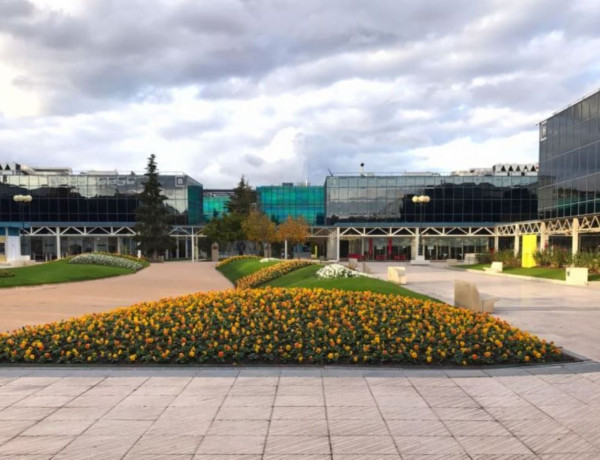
[
  {"x": 567, "y": 315},
  {"x": 286, "y": 413}
]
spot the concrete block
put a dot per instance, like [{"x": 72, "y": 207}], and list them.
[
  {"x": 352, "y": 263},
  {"x": 451, "y": 262},
  {"x": 470, "y": 258},
  {"x": 466, "y": 295},
  {"x": 577, "y": 276},
  {"x": 419, "y": 260},
  {"x": 496, "y": 267},
  {"x": 396, "y": 275}
]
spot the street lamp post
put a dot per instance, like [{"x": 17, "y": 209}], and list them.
[
  {"x": 421, "y": 200},
  {"x": 22, "y": 200}
]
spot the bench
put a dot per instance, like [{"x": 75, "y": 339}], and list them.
[
  {"x": 396, "y": 275},
  {"x": 466, "y": 295},
  {"x": 495, "y": 268}
]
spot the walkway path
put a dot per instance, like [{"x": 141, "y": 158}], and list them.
[
  {"x": 52, "y": 302},
  {"x": 567, "y": 315},
  {"x": 548, "y": 413}
]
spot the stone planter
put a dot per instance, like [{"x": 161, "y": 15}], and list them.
[{"x": 577, "y": 276}]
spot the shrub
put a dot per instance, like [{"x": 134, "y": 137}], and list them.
[
  {"x": 507, "y": 257},
  {"x": 269, "y": 273},
  {"x": 542, "y": 258},
  {"x": 484, "y": 258},
  {"x": 335, "y": 271},
  {"x": 554, "y": 257},
  {"x": 587, "y": 259},
  {"x": 234, "y": 258},
  {"x": 107, "y": 260},
  {"x": 6, "y": 274},
  {"x": 279, "y": 325}
]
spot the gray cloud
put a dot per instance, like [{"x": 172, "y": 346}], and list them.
[{"x": 290, "y": 89}]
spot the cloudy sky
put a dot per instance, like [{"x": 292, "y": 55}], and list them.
[{"x": 284, "y": 90}]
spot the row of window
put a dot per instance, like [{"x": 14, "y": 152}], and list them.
[
  {"x": 576, "y": 114},
  {"x": 417, "y": 182},
  {"x": 569, "y": 177},
  {"x": 574, "y": 137}
]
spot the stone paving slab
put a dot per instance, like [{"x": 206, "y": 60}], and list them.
[{"x": 299, "y": 413}]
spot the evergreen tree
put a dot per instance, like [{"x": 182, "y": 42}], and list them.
[
  {"x": 152, "y": 217},
  {"x": 242, "y": 200}
]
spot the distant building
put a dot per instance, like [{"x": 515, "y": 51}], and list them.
[
  {"x": 90, "y": 211},
  {"x": 214, "y": 203},
  {"x": 280, "y": 201},
  {"x": 570, "y": 160}
]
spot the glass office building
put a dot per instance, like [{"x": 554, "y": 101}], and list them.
[
  {"x": 102, "y": 199},
  {"x": 477, "y": 199},
  {"x": 214, "y": 203},
  {"x": 74, "y": 213},
  {"x": 280, "y": 201},
  {"x": 570, "y": 161}
]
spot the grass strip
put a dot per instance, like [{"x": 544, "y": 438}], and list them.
[{"x": 59, "y": 271}]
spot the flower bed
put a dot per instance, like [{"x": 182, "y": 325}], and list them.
[
  {"x": 6, "y": 274},
  {"x": 269, "y": 259},
  {"x": 336, "y": 271},
  {"x": 107, "y": 260},
  {"x": 269, "y": 273},
  {"x": 279, "y": 325},
  {"x": 123, "y": 256},
  {"x": 234, "y": 258}
]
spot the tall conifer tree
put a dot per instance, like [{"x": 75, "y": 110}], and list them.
[
  {"x": 242, "y": 200},
  {"x": 152, "y": 216}
]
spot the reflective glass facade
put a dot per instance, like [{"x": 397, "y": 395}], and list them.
[
  {"x": 100, "y": 199},
  {"x": 570, "y": 161},
  {"x": 453, "y": 199},
  {"x": 214, "y": 203},
  {"x": 279, "y": 202}
]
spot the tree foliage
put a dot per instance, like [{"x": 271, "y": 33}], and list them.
[
  {"x": 242, "y": 200},
  {"x": 259, "y": 228},
  {"x": 295, "y": 231},
  {"x": 152, "y": 216},
  {"x": 224, "y": 229}
]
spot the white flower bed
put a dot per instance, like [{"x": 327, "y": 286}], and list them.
[
  {"x": 268, "y": 259},
  {"x": 335, "y": 271},
  {"x": 109, "y": 261}
]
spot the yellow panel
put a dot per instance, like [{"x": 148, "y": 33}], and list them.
[{"x": 529, "y": 247}]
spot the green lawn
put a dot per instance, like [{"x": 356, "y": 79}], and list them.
[
  {"x": 305, "y": 277},
  {"x": 237, "y": 269},
  {"x": 536, "y": 272},
  {"x": 59, "y": 271}
]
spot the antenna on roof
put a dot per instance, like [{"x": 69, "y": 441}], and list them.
[
  {"x": 330, "y": 173},
  {"x": 362, "y": 169}
]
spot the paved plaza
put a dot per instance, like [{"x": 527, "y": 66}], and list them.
[
  {"x": 549, "y": 413},
  {"x": 52, "y": 302},
  {"x": 567, "y": 315}
]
